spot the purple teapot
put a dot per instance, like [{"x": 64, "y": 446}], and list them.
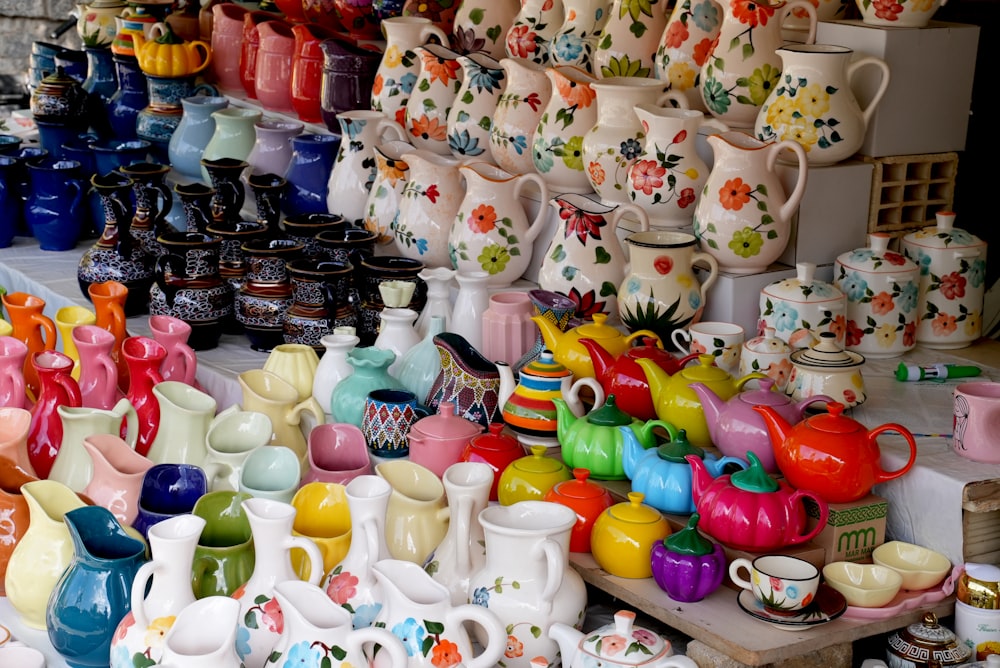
[{"x": 736, "y": 428}]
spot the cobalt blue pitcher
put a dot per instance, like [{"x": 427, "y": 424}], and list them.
[{"x": 52, "y": 207}]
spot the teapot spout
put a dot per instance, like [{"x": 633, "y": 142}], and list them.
[
  {"x": 602, "y": 359},
  {"x": 551, "y": 333},
  {"x": 778, "y": 428},
  {"x": 568, "y": 640},
  {"x": 655, "y": 376},
  {"x": 712, "y": 406},
  {"x": 565, "y": 419}
]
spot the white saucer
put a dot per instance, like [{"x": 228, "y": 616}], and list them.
[{"x": 829, "y": 605}]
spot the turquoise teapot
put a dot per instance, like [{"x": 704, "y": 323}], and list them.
[{"x": 662, "y": 473}]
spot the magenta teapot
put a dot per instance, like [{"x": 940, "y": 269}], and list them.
[
  {"x": 750, "y": 510},
  {"x": 734, "y": 426}
]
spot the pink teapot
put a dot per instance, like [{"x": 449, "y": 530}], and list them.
[
  {"x": 736, "y": 428},
  {"x": 750, "y": 510}
]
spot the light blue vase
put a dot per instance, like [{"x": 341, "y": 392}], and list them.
[
  {"x": 188, "y": 142},
  {"x": 421, "y": 364},
  {"x": 371, "y": 372}
]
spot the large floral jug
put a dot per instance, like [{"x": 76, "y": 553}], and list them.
[
  {"x": 491, "y": 231},
  {"x": 570, "y": 113},
  {"x": 615, "y": 140},
  {"x": 743, "y": 218},
  {"x": 585, "y": 260},
  {"x": 686, "y": 43},
  {"x": 471, "y": 117},
  {"x": 576, "y": 39},
  {"x": 428, "y": 203},
  {"x": 397, "y": 72},
  {"x": 354, "y": 169},
  {"x": 527, "y": 581},
  {"x": 530, "y": 35},
  {"x": 432, "y": 98},
  {"x": 516, "y": 117},
  {"x": 391, "y": 175},
  {"x": 743, "y": 68},
  {"x": 668, "y": 175},
  {"x": 481, "y": 26},
  {"x": 814, "y": 105},
  {"x": 628, "y": 40}
]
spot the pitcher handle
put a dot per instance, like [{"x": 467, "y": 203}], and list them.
[
  {"x": 48, "y": 329},
  {"x": 383, "y": 639},
  {"x": 167, "y": 261},
  {"x": 679, "y": 98},
  {"x": 142, "y": 578},
  {"x": 809, "y": 9},
  {"x": 885, "y": 476},
  {"x": 167, "y": 199},
  {"x": 555, "y": 560},
  {"x": 824, "y": 514},
  {"x": 463, "y": 531},
  {"x": 792, "y": 203},
  {"x": 639, "y": 212},
  {"x": 856, "y": 65},
  {"x": 216, "y": 473},
  {"x": 190, "y": 362},
  {"x": 126, "y": 410},
  {"x": 433, "y": 30},
  {"x": 496, "y": 633},
  {"x": 313, "y": 554},
  {"x": 309, "y": 405},
  {"x": 388, "y": 125},
  {"x": 72, "y": 389},
  {"x": 535, "y": 228}
]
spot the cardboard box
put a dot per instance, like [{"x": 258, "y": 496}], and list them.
[
  {"x": 853, "y": 529},
  {"x": 832, "y": 217},
  {"x": 913, "y": 116}
]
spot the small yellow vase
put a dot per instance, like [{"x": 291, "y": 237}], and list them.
[{"x": 67, "y": 318}]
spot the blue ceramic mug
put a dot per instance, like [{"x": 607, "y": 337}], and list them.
[
  {"x": 387, "y": 419},
  {"x": 168, "y": 490}
]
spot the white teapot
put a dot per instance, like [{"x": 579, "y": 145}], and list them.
[{"x": 642, "y": 647}]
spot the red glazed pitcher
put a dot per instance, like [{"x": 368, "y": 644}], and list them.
[
  {"x": 307, "y": 70},
  {"x": 274, "y": 65},
  {"x": 56, "y": 388},
  {"x": 144, "y": 357}
]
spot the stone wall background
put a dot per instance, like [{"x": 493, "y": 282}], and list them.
[{"x": 23, "y": 22}]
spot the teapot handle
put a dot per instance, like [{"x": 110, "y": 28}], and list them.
[
  {"x": 573, "y": 395},
  {"x": 885, "y": 476},
  {"x": 535, "y": 228},
  {"x": 798, "y": 496},
  {"x": 883, "y": 83},
  {"x": 206, "y": 50},
  {"x": 496, "y": 634},
  {"x": 640, "y": 332}
]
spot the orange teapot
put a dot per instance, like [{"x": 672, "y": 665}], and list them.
[
  {"x": 167, "y": 55},
  {"x": 832, "y": 454}
]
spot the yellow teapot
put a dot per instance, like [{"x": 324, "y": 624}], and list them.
[
  {"x": 572, "y": 354},
  {"x": 167, "y": 55}
]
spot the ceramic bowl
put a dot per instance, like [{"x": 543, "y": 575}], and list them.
[
  {"x": 863, "y": 585},
  {"x": 909, "y": 14},
  {"x": 920, "y": 567}
]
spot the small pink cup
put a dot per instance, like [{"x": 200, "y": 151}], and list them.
[{"x": 976, "y": 421}]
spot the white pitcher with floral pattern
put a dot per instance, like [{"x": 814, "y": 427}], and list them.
[
  {"x": 628, "y": 41},
  {"x": 557, "y": 149},
  {"x": 432, "y": 97},
  {"x": 491, "y": 231},
  {"x": 398, "y": 70},
  {"x": 814, "y": 105},
  {"x": 428, "y": 203},
  {"x": 576, "y": 39},
  {"x": 685, "y": 44},
  {"x": 471, "y": 117},
  {"x": 530, "y": 34},
  {"x": 516, "y": 117}
]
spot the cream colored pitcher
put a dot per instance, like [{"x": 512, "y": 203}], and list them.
[
  {"x": 73, "y": 466},
  {"x": 185, "y": 415}
]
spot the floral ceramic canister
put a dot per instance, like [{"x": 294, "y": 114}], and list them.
[
  {"x": 530, "y": 34},
  {"x": 952, "y": 280},
  {"x": 557, "y": 149},
  {"x": 882, "y": 289},
  {"x": 767, "y": 354},
  {"x": 813, "y": 102},
  {"x": 686, "y": 43},
  {"x": 799, "y": 308},
  {"x": 471, "y": 117}
]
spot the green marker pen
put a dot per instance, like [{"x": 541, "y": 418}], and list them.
[{"x": 935, "y": 371}]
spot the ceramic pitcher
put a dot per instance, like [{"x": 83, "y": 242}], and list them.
[
  {"x": 668, "y": 175},
  {"x": 112, "y": 306},
  {"x": 13, "y": 354},
  {"x": 467, "y": 379},
  {"x": 232, "y": 435},
  {"x": 549, "y": 590},
  {"x": 272, "y": 147},
  {"x": 313, "y": 158},
  {"x": 181, "y": 363},
  {"x": 418, "y": 607},
  {"x": 13, "y": 505},
  {"x": 67, "y": 319},
  {"x": 471, "y": 117},
  {"x": 274, "y": 65},
  {"x": 570, "y": 113},
  {"x": 491, "y": 231},
  {"x": 585, "y": 260},
  {"x": 614, "y": 142},
  {"x": 189, "y": 139},
  {"x": 140, "y": 633},
  {"x": 203, "y": 634},
  {"x": 530, "y": 35},
  {"x": 33, "y": 328},
  {"x": 354, "y": 169},
  {"x": 627, "y": 45},
  {"x": 397, "y": 72},
  {"x": 14, "y": 423},
  {"x": 56, "y": 388},
  {"x": 233, "y": 138},
  {"x": 55, "y": 192},
  {"x": 743, "y": 216},
  {"x": 516, "y": 116},
  {"x": 481, "y": 26},
  {"x": 686, "y": 42},
  {"x": 118, "y": 471},
  {"x": 391, "y": 174},
  {"x": 98, "y": 373},
  {"x": 185, "y": 416},
  {"x": 428, "y": 203},
  {"x": 576, "y": 39},
  {"x": 744, "y": 66},
  {"x": 814, "y": 105},
  {"x": 73, "y": 466},
  {"x": 433, "y": 95},
  {"x": 660, "y": 291},
  {"x": 416, "y": 517},
  {"x": 144, "y": 357}
]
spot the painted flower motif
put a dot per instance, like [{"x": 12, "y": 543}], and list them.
[
  {"x": 821, "y": 289},
  {"x": 157, "y": 630},
  {"x": 515, "y": 648},
  {"x": 776, "y": 584},
  {"x": 521, "y": 42},
  {"x": 761, "y": 82},
  {"x": 675, "y": 36},
  {"x": 752, "y": 12},
  {"x": 613, "y": 644},
  {"x": 596, "y": 173},
  {"x": 392, "y": 57},
  {"x": 647, "y": 638},
  {"x": 411, "y": 633},
  {"x": 861, "y": 256},
  {"x": 377, "y": 84},
  {"x": 647, "y": 175},
  {"x": 630, "y": 149},
  {"x": 807, "y": 599},
  {"x": 272, "y": 618},
  {"x": 786, "y": 318},
  {"x": 706, "y": 16},
  {"x": 853, "y": 334},
  {"x": 587, "y": 303},
  {"x": 485, "y": 79},
  {"x": 572, "y": 155},
  {"x": 909, "y": 296},
  {"x": 973, "y": 324},
  {"x": 953, "y": 285},
  {"x": 943, "y": 324},
  {"x": 494, "y": 259},
  {"x": 780, "y": 371},
  {"x": 439, "y": 69},
  {"x": 127, "y": 622},
  {"x": 303, "y": 654},
  {"x": 887, "y": 10},
  {"x": 894, "y": 259},
  {"x": 568, "y": 47},
  {"x": 364, "y": 615},
  {"x": 910, "y": 334},
  {"x": 734, "y": 194},
  {"x": 805, "y": 134},
  {"x": 782, "y": 110},
  {"x": 681, "y": 76},
  {"x": 460, "y": 141},
  {"x": 465, "y": 40},
  {"x": 541, "y": 155},
  {"x": 663, "y": 264},
  {"x": 702, "y": 50},
  {"x": 429, "y": 129},
  {"x": 445, "y": 654},
  {"x": 633, "y": 285},
  {"x": 882, "y": 303},
  {"x": 694, "y": 299},
  {"x": 885, "y": 335},
  {"x": 584, "y": 225},
  {"x": 242, "y": 640},
  {"x": 393, "y": 170},
  {"x": 483, "y": 219},
  {"x": 839, "y": 326},
  {"x": 813, "y": 100},
  {"x": 578, "y": 95},
  {"x": 715, "y": 96},
  {"x": 746, "y": 242},
  {"x": 407, "y": 82},
  {"x": 854, "y": 286},
  {"x": 686, "y": 198},
  {"x": 481, "y": 596},
  {"x": 977, "y": 272},
  {"x": 342, "y": 588},
  {"x": 119, "y": 657}
]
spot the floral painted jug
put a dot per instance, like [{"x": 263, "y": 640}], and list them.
[
  {"x": 530, "y": 35},
  {"x": 743, "y": 217},
  {"x": 615, "y": 140},
  {"x": 585, "y": 260},
  {"x": 668, "y": 175},
  {"x": 433, "y": 95},
  {"x": 744, "y": 66},
  {"x": 400, "y": 65},
  {"x": 686, "y": 43},
  {"x": 576, "y": 39},
  {"x": 428, "y": 204},
  {"x": 491, "y": 231},
  {"x": 481, "y": 26},
  {"x": 517, "y": 113},
  {"x": 814, "y": 105},
  {"x": 471, "y": 117},
  {"x": 557, "y": 146},
  {"x": 391, "y": 174},
  {"x": 628, "y": 40},
  {"x": 354, "y": 169}
]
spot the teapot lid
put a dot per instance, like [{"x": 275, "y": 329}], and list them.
[
  {"x": 634, "y": 511},
  {"x": 620, "y": 643},
  {"x": 754, "y": 478},
  {"x": 768, "y": 342},
  {"x": 705, "y": 371},
  {"x": 545, "y": 366},
  {"x": 877, "y": 258},
  {"x": 765, "y": 395},
  {"x": 609, "y": 415},
  {"x": 675, "y": 450},
  {"x": 580, "y": 487},
  {"x": 833, "y": 421},
  {"x": 598, "y": 329},
  {"x": 689, "y": 540},
  {"x": 496, "y": 440},
  {"x": 826, "y": 353},
  {"x": 447, "y": 424},
  {"x": 804, "y": 287},
  {"x": 943, "y": 235},
  {"x": 537, "y": 462},
  {"x": 927, "y": 639}
]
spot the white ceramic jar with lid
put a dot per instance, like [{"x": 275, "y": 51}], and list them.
[
  {"x": 952, "y": 284},
  {"x": 826, "y": 368},
  {"x": 882, "y": 289},
  {"x": 799, "y": 308},
  {"x": 768, "y": 354}
]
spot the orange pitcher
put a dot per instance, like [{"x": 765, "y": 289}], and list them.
[
  {"x": 31, "y": 326},
  {"x": 109, "y": 306}
]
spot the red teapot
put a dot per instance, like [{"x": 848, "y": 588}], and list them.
[
  {"x": 832, "y": 454},
  {"x": 750, "y": 510}
]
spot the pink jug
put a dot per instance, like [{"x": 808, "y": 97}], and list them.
[
  {"x": 13, "y": 353},
  {"x": 227, "y": 40},
  {"x": 250, "y": 47},
  {"x": 14, "y": 424},
  {"x": 274, "y": 65},
  {"x": 118, "y": 472},
  {"x": 98, "y": 373},
  {"x": 56, "y": 388},
  {"x": 172, "y": 333}
]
